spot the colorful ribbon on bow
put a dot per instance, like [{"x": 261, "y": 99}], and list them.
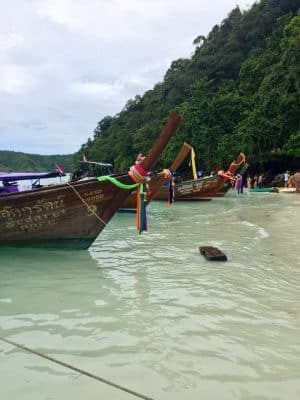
[
  {"x": 140, "y": 176},
  {"x": 141, "y": 215}
]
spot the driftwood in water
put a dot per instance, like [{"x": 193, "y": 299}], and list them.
[{"x": 212, "y": 253}]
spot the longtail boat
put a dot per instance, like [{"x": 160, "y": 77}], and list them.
[
  {"x": 202, "y": 189},
  {"x": 71, "y": 214},
  {"x": 156, "y": 181}
]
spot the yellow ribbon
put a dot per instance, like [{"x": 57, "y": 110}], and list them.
[{"x": 193, "y": 163}]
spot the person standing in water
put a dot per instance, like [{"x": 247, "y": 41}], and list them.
[
  {"x": 239, "y": 184},
  {"x": 286, "y": 176},
  {"x": 291, "y": 181},
  {"x": 255, "y": 179},
  {"x": 249, "y": 182},
  {"x": 260, "y": 181},
  {"x": 297, "y": 180}
]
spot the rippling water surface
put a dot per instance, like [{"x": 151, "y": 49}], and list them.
[{"x": 150, "y": 313}]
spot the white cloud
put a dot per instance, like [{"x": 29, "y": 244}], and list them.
[
  {"x": 10, "y": 40},
  {"x": 96, "y": 89},
  {"x": 101, "y": 19},
  {"x": 14, "y": 79},
  {"x": 65, "y": 64}
]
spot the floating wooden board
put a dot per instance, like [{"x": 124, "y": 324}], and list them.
[{"x": 212, "y": 253}]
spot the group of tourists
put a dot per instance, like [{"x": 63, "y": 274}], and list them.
[
  {"x": 290, "y": 180},
  {"x": 255, "y": 182},
  {"x": 250, "y": 182}
]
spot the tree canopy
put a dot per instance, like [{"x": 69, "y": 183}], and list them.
[
  {"x": 239, "y": 91},
  {"x": 17, "y": 161}
]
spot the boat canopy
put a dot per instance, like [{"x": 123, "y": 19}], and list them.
[
  {"x": 102, "y": 164},
  {"x": 90, "y": 169},
  {"x": 21, "y": 176}
]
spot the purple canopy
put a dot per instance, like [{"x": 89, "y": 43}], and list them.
[{"x": 21, "y": 176}]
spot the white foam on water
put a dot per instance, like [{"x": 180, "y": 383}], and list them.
[
  {"x": 262, "y": 232},
  {"x": 100, "y": 302},
  {"x": 6, "y": 300}
]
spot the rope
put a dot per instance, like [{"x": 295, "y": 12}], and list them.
[
  {"x": 86, "y": 204},
  {"x": 80, "y": 371}
]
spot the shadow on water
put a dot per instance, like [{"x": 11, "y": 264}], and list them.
[
  {"x": 38, "y": 280},
  {"x": 44, "y": 260}
]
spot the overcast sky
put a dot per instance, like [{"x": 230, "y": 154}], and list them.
[{"x": 65, "y": 64}]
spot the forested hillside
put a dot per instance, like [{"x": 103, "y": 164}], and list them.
[
  {"x": 16, "y": 161},
  {"x": 240, "y": 91}
]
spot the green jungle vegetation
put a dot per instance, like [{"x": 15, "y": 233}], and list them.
[
  {"x": 239, "y": 91},
  {"x": 16, "y": 161}
]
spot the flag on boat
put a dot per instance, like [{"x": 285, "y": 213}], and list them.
[{"x": 59, "y": 169}]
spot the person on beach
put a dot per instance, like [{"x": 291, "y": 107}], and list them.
[
  {"x": 260, "y": 181},
  {"x": 286, "y": 176},
  {"x": 249, "y": 182},
  {"x": 291, "y": 181},
  {"x": 239, "y": 184},
  {"x": 297, "y": 180},
  {"x": 255, "y": 179}
]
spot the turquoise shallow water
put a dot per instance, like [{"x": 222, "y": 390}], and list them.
[{"x": 150, "y": 313}]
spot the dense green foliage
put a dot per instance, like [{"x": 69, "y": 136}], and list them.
[
  {"x": 240, "y": 91},
  {"x": 292, "y": 146},
  {"x": 16, "y": 161}
]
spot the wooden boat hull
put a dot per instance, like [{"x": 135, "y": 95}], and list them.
[
  {"x": 59, "y": 216},
  {"x": 197, "y": 190},
  {"x": 69, "y": 215},
  {"x": 202, "y": 189},
  {"x": 224, "y": 189}
]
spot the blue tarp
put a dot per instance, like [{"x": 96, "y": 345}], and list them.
[{"x": 21, "y": 176}]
